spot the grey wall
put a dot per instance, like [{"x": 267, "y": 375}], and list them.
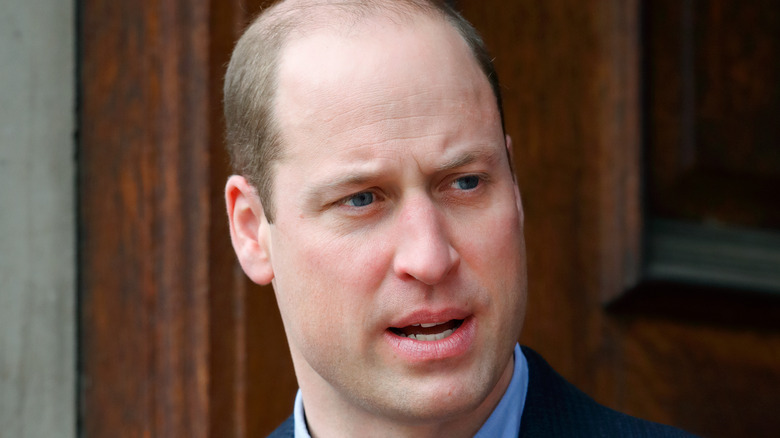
[{"x": 37, "y": 211}]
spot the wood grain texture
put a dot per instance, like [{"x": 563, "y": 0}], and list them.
[
  {"x": 144, "y": 192},
  {"x": 175, "y": 340},
  {"x": 716, "y": 380},
  {"x": 713, "y": 70},
  {"x": 227, "y": 291}
]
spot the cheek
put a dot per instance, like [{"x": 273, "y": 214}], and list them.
[
  {"x": 350, "y": 267},
  {"x": 492, "y": 247},
  {"x": 325, "y": 277},
  {"x": 492, "y": 240},
  {"x": 330, "y": 299}
]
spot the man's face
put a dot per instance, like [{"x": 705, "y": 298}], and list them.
[{"x": 395, "y": 209}]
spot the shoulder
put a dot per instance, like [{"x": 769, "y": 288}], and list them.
[
  {"x": 554, "y": 407},
  {"x": 285, "y": 430}
]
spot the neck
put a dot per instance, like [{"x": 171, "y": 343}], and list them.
[{"x": 328, "y": 414}]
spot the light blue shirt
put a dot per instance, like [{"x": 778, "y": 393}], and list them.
[{"x": 504, "y": 422}]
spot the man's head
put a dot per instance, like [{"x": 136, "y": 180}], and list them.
[
  {"x": 251, "y": 79},
  {"x": 396, "y": 253}
]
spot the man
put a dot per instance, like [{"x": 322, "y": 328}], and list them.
[{"x": 374, "y": 190}]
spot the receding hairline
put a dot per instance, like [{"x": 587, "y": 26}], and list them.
[
  {"x": 297, "y": 19},
  {"x": 326, "y": 24},
  {"x": 277, "y": 26},
  {"x": 288, "y": 20},
  {"x": 301, "y": 15}
]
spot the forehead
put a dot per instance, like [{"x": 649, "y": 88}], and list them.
[{"x": 369, "y": 83}]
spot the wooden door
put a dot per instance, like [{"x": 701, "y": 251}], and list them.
[{"x": 174, "y": 341}]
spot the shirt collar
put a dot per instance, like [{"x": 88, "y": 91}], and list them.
[{"x": 504, "y": 422}]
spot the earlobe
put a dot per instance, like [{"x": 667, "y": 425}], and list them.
[{"x": 249, "y": 230}]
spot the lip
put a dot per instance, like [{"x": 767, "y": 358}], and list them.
[
  {"x": 426, "y": 316},
  {"x": 414, "y": 351}
]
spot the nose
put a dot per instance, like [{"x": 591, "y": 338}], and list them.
[{"x": 424, "y": 250}]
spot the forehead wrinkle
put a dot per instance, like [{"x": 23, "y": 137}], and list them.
[
  {"x": 377, "y": 103},
  {"x": 351, "y": 176},
  {"x": 392, "y": 127},
  {"x": 339, "y": 118}
]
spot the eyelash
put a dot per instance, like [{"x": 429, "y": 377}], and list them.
[
  {"x": 355, "y": 196},
  {"x": 480, "y": 181},
  {"x": 377, "y": 197}
]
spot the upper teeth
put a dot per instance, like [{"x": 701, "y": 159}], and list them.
[{"x": 428, "y": 324}]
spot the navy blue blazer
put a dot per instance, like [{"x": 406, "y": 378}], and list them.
[{"x": 555, "y": 408}]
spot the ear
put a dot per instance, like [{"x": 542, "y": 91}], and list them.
[
  {"x": 510, "y": 151},
  {"x": 249, "y": 229}
]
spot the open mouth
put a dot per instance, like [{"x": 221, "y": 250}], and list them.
[{"x": 428, "y": 331}]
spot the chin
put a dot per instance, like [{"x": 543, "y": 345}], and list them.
[{"x": 438, "y": 401}]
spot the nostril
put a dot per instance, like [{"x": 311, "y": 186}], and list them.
[
  {"x": 429, "y": 264},
  {"x": 424, "y": 250}
]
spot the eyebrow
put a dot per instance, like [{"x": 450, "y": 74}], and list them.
[
  {"x": 468, "y": 158},
  {"x": 315, "y": 193}
]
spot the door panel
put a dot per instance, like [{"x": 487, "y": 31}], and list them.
[{"x": 175, "y": 341}]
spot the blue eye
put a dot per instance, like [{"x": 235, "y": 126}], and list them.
[
  {"x": 360, "y": 200},
  {"x": 469, "y": 182}
]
